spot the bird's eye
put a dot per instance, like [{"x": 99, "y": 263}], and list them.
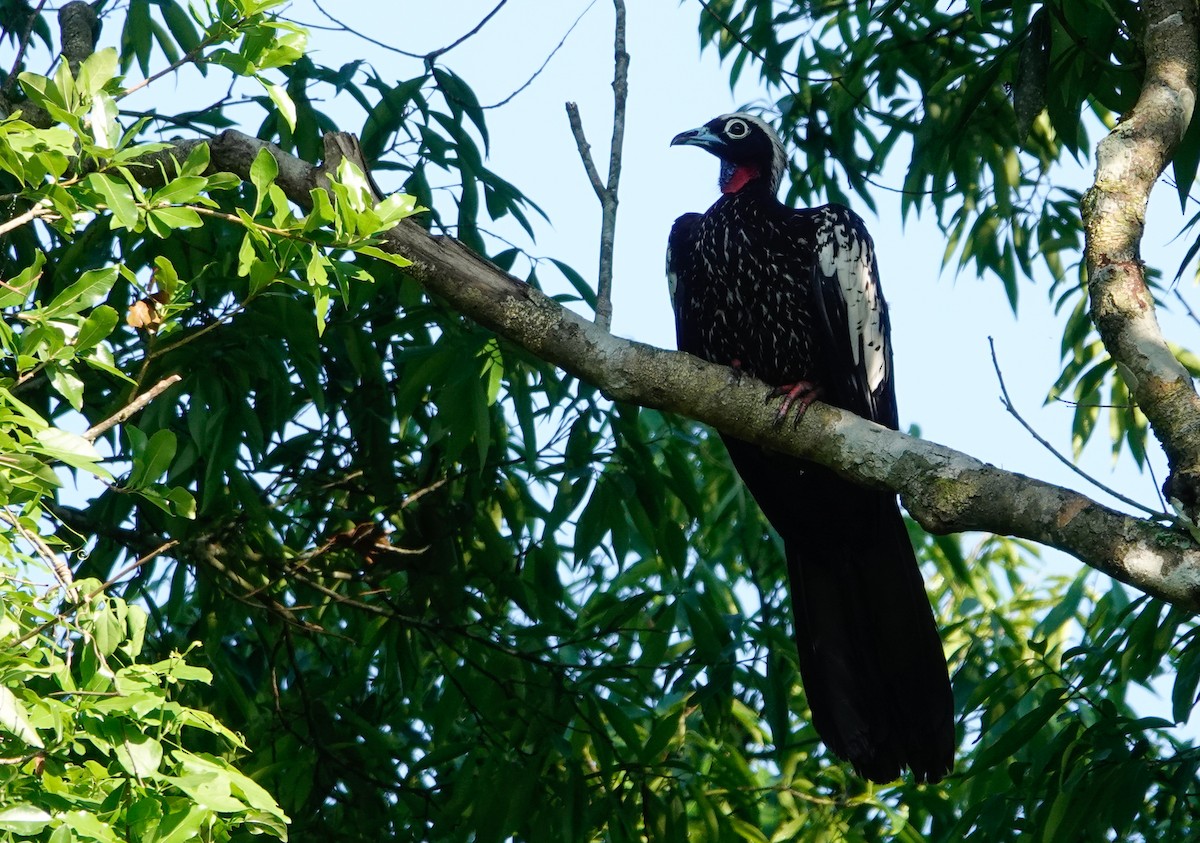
[{"x": 737, "y": 129}]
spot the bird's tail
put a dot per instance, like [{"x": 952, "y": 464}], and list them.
[{"x": 871, "y": 658}]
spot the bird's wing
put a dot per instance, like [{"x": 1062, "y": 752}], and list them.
[
  {"x": 681, "y": 278},
  {"x": 851, "y": 308}
]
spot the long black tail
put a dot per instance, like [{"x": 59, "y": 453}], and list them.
[{"x": 871, "y": 658}]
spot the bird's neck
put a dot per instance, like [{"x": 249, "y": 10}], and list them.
[{"x": 735, "y": 177}]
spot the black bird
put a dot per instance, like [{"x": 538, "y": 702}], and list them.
[{"x": 792, "y": 297}]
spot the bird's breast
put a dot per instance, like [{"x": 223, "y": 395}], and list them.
[{"x": 750, "y": 302}]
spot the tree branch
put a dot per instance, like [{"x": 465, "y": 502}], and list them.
[
  {"x": 132, "y": 408},
  {"x": 945, "y": 490},
  {"x": 1128, "y": 163},
  {"x": 79, "y": 28}
]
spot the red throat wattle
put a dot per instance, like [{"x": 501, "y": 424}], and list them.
[{"x": 739, "y": 178}]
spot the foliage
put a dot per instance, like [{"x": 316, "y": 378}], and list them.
[
  {"x": 446, "y": 592},
  {"x": 96, "y": 745}
]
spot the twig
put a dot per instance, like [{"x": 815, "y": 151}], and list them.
[
  {"x": 363, "y": 35},
  {"x": 62, "y": 573},
  {"x": 1012, "y": 411},
  {"x": 585, "y": 150},
  {"x": 608, "y": 224},
  {"x": 41, "y": 209},
  {"x": 431, "y": 57},
  {"x": 538, "y": 72},
  {"x": 607, "y": 193},
  {"x": 76, "y": 603},
  {"x": 188, "y": 58},
  {"x": 134, "y": 406},
  {"x": 1191, "y": 313},
  {"x": 420, "y": 493}
]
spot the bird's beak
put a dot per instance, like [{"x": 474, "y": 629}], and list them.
[{"x": 702, "y": 137}]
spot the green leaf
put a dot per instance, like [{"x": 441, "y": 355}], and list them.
[
  {"x": 207, "y": 785},
  {"x": 151, "y": 463},
  {"x": 15, "y": 720},
  {"x": 118, "y": 197},
  {"x": 586, "y": 293},
  {"x": 67, "y": 384},
  {"x": 108, "y": 626},
  {"x": 263, "y": 173},
  {"x": 183, "y": 504},
  {"x": 98, "y": 325},
  {"x": 90, "y": 827},
  {"x": 183, "y": 824},
  {"x": 172, "y": 219},
  {"x": 181, "y": 190},
  {"x": 1065, "y": 609},
  {"x": 139, "y": 755},
  {"x": 283, "y": 102},
  {"x": 91, "y": 289},
  {"x": 106, "y": 130},
  {"x": 17, "y": 290},
  {"x": 376, "y": 252},
  {"x": 71, "y": 449},
  {"x": 1187, "y": 677},
  {"x": 24, "y": 819},
  {"x": 180, "y": 26},
  {"x": 1008, "y": 742}
]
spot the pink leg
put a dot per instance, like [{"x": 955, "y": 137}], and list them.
[
  {"x": 736, "y": 371},
  {"x": 799, "y": 395}
]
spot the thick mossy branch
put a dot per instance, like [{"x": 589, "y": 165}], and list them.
[
  {"x": 945, "y": 490},
  {"x": 1128, "y": 163}
]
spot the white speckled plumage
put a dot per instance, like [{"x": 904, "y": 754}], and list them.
[{"x": 792, "y": 297}]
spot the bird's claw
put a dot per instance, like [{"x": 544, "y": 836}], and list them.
[
  {"x": 736, "y": 371},
  {"x": 799, "y": 395}
]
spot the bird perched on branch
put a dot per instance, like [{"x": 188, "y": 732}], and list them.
[{"x": 792, "y": 297}]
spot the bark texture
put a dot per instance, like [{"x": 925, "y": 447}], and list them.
[{"x": 1128, "y": 163}]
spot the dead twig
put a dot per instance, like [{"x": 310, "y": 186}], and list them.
[
  {"x": 42, "y": 209},
  {"x": 552, "y": 54},
  {"x": 57, "y": 566},
  {"x": 607, "y": 193},
  {"x": 104, "y": 586},
  {"x": 136, "y": 405},
  {"x": 1012, "y": 411},
  {"x": 433, "y": 56}
]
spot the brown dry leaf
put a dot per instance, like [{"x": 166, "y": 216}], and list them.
[{"x": 144, "y": 314}]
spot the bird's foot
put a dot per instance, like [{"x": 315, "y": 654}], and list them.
[
  {"x": 799, "y": 395},
  {"x": 736, "y": 370}
]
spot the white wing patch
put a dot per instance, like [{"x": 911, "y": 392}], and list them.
[
  {"x": 844, "y": 255},
  {"x": 672, "y": 278}
]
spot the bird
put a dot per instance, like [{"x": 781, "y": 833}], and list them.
[{"x": 792, "y": 297}]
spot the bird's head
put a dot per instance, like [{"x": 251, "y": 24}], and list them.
[{"x": 748, "y": 148}]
